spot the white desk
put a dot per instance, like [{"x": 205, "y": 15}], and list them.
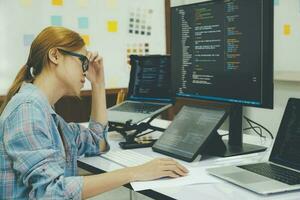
[{"x": 215, "y": 191}]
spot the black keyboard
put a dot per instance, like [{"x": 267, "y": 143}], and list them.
[
  {"x": 275, "y": 172},
  {"x": 138, "y": 107}
]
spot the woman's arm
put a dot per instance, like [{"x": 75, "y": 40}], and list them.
[
  {"x": 97, "y": 184},
  {"x": 99, "y": 112},
  {"x": 96, "y": 77},
  {"x": 157, "y": 168}
]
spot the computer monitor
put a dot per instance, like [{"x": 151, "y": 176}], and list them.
[{"x": 223, "y": 51}]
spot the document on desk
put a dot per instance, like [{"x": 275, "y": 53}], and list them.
[{"x": 197, "y": 175}]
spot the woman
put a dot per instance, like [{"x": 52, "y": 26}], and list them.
[{"x": 38, "y": 149}]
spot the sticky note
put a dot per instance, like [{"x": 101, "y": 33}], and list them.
[
  {"x": 86, "y": 39},
  {"x": 26, "y": 2},
  {"x": 57, "y": 2},
  {"x": 27, "y": 39},
  {"x": 83, "y": 22},
  {"x": 276, "y": 2},
  {"x": 287, "y": 29},
  {"x": 112, "y": 26},
  {"x": 56, "y": 20},
  {"x": 82, "y": 3}
]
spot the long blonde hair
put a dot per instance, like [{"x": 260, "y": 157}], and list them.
[{"x": 49, "y": 38}]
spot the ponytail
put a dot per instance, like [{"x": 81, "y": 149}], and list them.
[
  {"x": 49, "y": 38},
  {"x": 22, "y": 76}
]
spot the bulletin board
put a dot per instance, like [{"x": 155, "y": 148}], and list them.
[{"x": 114, "y": 28}]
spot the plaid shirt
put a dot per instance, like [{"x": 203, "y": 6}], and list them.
[{"x": 33, "y": 162}]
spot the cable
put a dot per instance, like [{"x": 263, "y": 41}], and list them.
[
  {"x": 254, "y": 129},
  {"x": 259, "y": 125}
]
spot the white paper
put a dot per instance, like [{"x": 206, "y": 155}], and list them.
[{"x": 196, "y": 175}]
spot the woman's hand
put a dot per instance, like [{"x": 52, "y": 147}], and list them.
[
  {"x": 158, "y": 168},
  {"x": 95, "y": 74}
]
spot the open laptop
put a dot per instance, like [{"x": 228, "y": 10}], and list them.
[
  {"x": 282, "y": 172},
  {"x": 149, "y": 90}
]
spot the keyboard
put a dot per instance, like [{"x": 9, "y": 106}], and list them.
[
  {"x": 275, "y": 172},
  {"x": 138, "y": 107},
  {"x": 126, "y": 158}
]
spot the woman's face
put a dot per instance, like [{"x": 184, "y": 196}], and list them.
[{"x": 71, "y": 73}]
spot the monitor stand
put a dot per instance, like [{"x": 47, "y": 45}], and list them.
[
  {"x": 131, "y": 131},
  {"x": 234, "y": 145}
]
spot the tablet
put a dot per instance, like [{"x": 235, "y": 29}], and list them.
[{"x": 189, "y": 132}]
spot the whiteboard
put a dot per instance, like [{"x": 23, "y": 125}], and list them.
[{"x": 114, "y": 28}]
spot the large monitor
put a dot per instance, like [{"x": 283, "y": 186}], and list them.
[{"x": 222, "y": 50}]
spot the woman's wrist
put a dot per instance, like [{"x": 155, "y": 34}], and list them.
[
  {"x": 98, "y": 85},
  {"x": 131, "y": 172}
]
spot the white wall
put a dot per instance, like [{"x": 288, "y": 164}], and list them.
[{"x": 27, "y": 18}]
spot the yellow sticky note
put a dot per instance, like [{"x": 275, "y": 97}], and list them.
[
  {"x": 112, "y": 26},
  {"x": 26, "y": 2},
  {"x": 287, "y": 29},
  {"x": 86, "y": 39},
  {"x": 57, "y": 2}
]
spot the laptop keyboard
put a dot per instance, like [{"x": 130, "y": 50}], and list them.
[
  {"x": 274, "y": 172},
  {"x": 145, "y": 108}
]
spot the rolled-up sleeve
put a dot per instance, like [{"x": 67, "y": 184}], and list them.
[
  {"x": 88, "y": 139},
  {"x": 36, "y": 162}
]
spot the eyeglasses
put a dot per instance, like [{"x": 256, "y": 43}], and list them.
[{"x": 84, "y": 60}]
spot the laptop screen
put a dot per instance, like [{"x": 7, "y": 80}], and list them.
[
  {"x": 150, "y": 78},
  {"x": 286, "y": 149}
]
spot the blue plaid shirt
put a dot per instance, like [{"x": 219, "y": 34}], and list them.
[{"x": 33, "y": 162}]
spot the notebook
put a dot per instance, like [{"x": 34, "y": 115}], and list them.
[
  {"x": 149, "y": 90},
  {"x": 282, "y": 172}
]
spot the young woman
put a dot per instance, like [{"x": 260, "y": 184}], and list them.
[{"x": 38, "y": 149}]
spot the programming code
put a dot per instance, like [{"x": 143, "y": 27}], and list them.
[
  {"x": 152, "y": 76},
  {"x": 216, "y": 50}
]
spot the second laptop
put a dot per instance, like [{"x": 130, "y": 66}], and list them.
[{"x": 149, "y": 90}]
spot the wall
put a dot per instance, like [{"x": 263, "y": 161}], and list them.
[{"x": 114, "y": 28}]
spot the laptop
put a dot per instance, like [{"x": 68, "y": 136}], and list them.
[
  {"x": 282, "y": 172},
  {"x": 149, "y": 90}
]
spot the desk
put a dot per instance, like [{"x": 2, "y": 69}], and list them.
[{"x": 215, "y": 191}]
